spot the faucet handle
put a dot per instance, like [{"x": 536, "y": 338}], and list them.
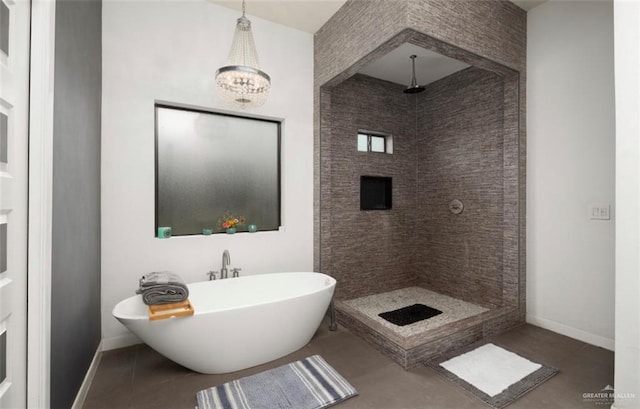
[
  {"x": 236, "y": 272},
  {"x": 212, "y": 275}
]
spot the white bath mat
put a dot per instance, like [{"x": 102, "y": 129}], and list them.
[
  {"x": 493, "y": 374},
  {"x": 490, "y": 368}
]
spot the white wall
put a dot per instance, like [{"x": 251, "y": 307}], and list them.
[
  {"x": 570, "y": 164},
  {"x": 169, "y": 50},
  {"x": 627, "y": 58}
]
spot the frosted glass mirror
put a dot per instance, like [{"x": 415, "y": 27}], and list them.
[{"x": 210, "y": 164}]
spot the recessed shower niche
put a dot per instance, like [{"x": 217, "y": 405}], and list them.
[{"x": 461, "y": 138}]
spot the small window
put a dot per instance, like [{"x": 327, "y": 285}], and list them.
[
  {"x": 363, "y": 142},
  {"x": 378, "y": 144},
  {"x": 375, "y": 142}
]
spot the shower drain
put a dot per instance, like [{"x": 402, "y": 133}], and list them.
[{"x": 408, "y": 315}]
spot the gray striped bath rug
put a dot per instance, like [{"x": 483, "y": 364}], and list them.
[{"x": 310, "y": 383}]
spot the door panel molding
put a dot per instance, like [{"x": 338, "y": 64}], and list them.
[{"x": 40, "y": 202}]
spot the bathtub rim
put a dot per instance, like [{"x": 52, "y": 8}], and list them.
[{"x": 145, "y": 317}]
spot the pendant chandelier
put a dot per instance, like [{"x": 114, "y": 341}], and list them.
[{"x": 240, "y": 82}]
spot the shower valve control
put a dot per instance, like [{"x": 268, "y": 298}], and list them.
[{"x": 456, "y": 206}]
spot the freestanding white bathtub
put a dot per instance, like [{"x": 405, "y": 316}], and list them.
[{"x": 238, "y": 322}]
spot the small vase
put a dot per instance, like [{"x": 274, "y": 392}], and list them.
[
  {"x": 252, "y": 228},
  {"x": 231, "y": 230}
]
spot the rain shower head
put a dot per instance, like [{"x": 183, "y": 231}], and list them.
[{"x": 414, "y": 88}]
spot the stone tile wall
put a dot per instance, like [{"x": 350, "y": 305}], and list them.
[
  {"x": 370, "y": 249},
  {"x": 448, "y": 143},
  {"x": 460, "y": 156}
]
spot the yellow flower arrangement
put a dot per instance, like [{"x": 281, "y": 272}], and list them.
[{"x": 230, "y": 221}]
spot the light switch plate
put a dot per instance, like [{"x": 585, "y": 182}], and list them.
[{"x": 600, "y": 211}]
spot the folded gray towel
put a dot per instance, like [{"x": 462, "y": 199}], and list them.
[{"x": 162, "y": 288}]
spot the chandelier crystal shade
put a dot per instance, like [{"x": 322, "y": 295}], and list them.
[{"x": 240, "y": 82}]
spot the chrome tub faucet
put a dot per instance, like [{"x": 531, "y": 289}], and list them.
[
  {"x": 226, "y": 260},
  {"x": 224, "y": 271}
]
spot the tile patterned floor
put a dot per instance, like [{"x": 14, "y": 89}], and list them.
[{"x": 138, "y": 377}]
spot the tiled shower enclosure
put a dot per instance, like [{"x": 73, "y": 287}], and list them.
[{"x": 463, "y": 138}]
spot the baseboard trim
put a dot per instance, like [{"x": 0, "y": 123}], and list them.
[
  {"x": 120, "y": 342},
  {"x": 571, "y": 332},
  {"x": 81, "y": 396}
]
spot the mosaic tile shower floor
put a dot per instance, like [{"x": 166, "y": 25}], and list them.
[{"x": 452, "y": 309}]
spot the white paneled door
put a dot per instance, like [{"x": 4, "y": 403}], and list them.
[{"x": 14, "y": 107}]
